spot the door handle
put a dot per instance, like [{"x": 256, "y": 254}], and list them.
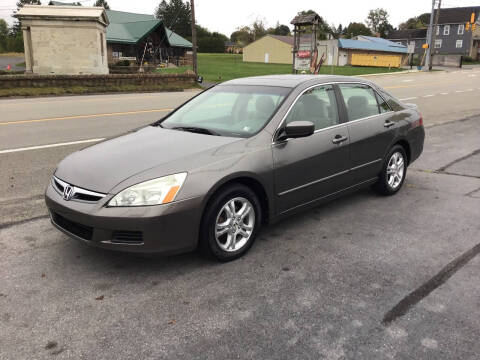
[
  {"x": 388, "y": 123},
  {"x": 339, "y": 139}
]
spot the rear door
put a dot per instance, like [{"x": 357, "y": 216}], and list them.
[
  {"x": 372, "y": 128},
  {"x": 315, "y": 166}
]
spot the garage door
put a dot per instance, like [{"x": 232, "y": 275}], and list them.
[{"x": 381, "y": 60}]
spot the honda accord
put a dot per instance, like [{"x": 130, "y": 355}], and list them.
[{"x": 243, "y": 153}]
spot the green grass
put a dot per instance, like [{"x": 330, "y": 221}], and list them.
[
  {"x": 222, "y": 67},
  {"x": 42, "y": 91}
]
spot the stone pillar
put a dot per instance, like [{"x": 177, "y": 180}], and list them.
[{"x": 27, "y": 44}]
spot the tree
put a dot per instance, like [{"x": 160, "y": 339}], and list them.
[
  {"x": 377, "y": 20},
  {"x": 283, "y": 30},
  {"x": 3, "y": 35},
  {"x": 176, "y": 15},
  {"x": 102, "y": 3},
  {"x": 242, "y": 36},
  {"x": 258, "y": 29},
  {"x": 416, "y": 22},
  {"x": 354, "y": 29}
]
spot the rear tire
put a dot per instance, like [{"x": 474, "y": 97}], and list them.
[
  {"x": 393, "y": 172},
  {"x": 230, "y": 223}
]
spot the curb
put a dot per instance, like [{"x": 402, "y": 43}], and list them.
[{"x": 391, "y": 73}]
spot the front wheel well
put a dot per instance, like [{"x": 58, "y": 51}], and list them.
[{"x": 255, "y": 186}]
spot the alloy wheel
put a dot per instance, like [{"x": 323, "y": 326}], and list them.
[
  {"x": 234, "y": 224},
  {"x": 395, "y": 170}
]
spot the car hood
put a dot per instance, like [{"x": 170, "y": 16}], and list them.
[{"x": 103, "y": 166}]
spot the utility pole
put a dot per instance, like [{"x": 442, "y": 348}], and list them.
[
  {"x": 432, "y": 30},
  {"x": 194, "y": 38},
  {"x": 429, "y": 37}
]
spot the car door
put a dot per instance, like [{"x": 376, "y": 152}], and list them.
[
  {"x": 309, "y": 168},
  {"x": 371, "y": 127}
]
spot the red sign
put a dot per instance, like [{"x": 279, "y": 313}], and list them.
[{"x": 303, "y": 54}]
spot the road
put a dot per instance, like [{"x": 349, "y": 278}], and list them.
[{"x": 331, "y": 283}]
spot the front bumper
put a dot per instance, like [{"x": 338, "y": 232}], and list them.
[{"x": 169, "y": 228}]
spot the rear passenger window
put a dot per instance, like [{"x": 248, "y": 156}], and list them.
[
  {"x": 391, "y": 101},
  {"x": 360, "y": 100},
  {"x": 382, "y": 104},
  {"x": 316, "y": 105}
]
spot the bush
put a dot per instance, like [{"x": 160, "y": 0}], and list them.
[{"x": 211, "y": 45}]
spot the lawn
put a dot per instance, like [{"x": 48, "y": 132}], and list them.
[{"x": 222, "y": 67}]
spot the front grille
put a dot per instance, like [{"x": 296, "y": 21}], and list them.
[
  {"x": 82, "y": 231},
  {"x": 78, "y": 193},
  {"x": 127, "y": 237}
]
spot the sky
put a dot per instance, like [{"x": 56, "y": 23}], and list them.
[{"x": 226, "y": 16}]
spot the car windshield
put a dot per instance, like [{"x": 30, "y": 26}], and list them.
[{"x": 228, "y": 110}]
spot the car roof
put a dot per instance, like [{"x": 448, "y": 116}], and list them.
[{"x": 292, "y": 81}]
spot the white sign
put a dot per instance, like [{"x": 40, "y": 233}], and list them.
[
  {"x": 411, "y": 48},
  {"x": 302, "y": 63},
  {"x": 128, "y": 58}
]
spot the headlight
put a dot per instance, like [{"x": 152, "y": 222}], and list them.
[{"x": 153, "y": 192}]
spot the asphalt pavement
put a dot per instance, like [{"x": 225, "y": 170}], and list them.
[{"x": 364, "y": 277}]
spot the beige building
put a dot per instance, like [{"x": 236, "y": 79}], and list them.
[
  {"x": 274, "y": 49},
  {"x": 64, "y": 40}
]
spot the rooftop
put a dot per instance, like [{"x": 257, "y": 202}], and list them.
[
  {"x": 63, "y": 12},
  {"x": 408, "y": 34},
  {"x": 372, "y": 44},
  {"x": 290, "y": 80},
  {"x": 129, "y": 28}
]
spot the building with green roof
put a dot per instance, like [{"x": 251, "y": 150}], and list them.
[{"x": 130, "y": 35}]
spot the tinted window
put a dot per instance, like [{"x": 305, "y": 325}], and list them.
[
  {"x": 360, "y": 100},
  {"x": 382, "y": 104},
  {"x": 391, "y": 101},
  {"x": 316, "y": 105},
  {"x": 229, "y": 110}
]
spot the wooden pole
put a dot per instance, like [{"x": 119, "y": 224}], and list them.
[
  {"x": 194, "y": 38},
  {"x": 434, "y": 34}
]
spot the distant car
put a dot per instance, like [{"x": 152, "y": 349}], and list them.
[{"x": 240, "y": 154}]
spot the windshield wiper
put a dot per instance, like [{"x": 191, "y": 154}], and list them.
[{"x": 197, "y": 130}]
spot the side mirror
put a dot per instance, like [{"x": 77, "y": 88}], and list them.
[{"x": 297, "y": 129}]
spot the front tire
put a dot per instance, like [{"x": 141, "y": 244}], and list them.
[
  {"x": 393, "y": 172},
  {"x": 231, "y": 222}
]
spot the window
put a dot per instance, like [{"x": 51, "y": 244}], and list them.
[
  {"x": 437, "y": 31},
  {"x": 382, "y": 104},
  {"x": 360, "y": 100},
  {"x": 446, "y": 30},
  {"x": 438, "y": 43},
  {"x": 391, "y": 100},
  {"x": 461, "y": 29},
  {"x": 459, "y": 44},
  {"x": 229, "y": 110},
  {"x": 316, "y": 105}
]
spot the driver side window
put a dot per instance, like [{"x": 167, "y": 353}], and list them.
[{"x": 317, "y": 105}]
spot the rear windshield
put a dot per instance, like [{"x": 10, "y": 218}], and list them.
[{"x": 229, "y": 110}]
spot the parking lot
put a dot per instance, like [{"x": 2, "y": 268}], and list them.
[{"x": 364, "y": 277}]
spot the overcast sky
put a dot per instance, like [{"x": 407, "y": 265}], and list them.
[{"x": 226, "y": 15}]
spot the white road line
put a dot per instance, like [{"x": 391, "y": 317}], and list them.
[
  {"x": 472, "y": 75},
  {"x": 410, "y": 98},
  {"x": 430, "y": 95},
  {"x": 407, "y": 80},
  {"x": 50, "y": 146},
  {"x": 443, "y": 93},
  {"x": 470, "y": 90},
  {"x": 459, "y": 91}
]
